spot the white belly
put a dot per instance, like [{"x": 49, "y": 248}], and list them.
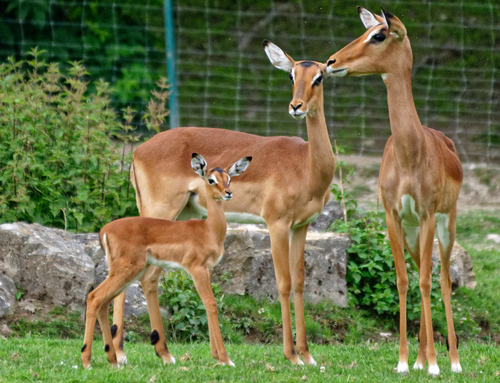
[{"x": 163, "y": 264}]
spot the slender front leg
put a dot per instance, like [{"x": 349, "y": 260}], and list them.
[
  {"x": 446, "y": 236},
  {"x": 395, "y": 232},
  {"x": 149, "y": 283},
  {"x": 414, "y": 250},
  {"x": 117, "y": 328},
  {"x": 297, "y": 271},
  {"x": 280, "y": 236},
  {"x": 427, "y": 228},
  {"x": 201, "y": 278}
]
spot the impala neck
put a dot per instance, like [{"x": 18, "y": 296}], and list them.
[
  {"x": 407, "y": 132},
  {"x": 216, "y": 220},
  {"x": 321, "y": 159}
]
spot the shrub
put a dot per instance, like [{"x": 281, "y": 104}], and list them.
[{"x": 58, "y": 166}]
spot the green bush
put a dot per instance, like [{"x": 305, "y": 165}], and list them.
[{"x": 58, "y": 166}]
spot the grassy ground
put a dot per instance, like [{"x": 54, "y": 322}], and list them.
[{"x": 33, "y": 359}]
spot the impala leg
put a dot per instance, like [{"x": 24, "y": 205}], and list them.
[
  {"x": 91, "y": 316},
  {"x": 413, "y": 245},
  {"x": 117, "y": 328},
  {"x": 427, "y": 228},
  {"x": 201, "y": 278},
  {"x": 396, "y": 235},
  {"x": 446, "y": 236},
  {"x": 297, "y": 271},
  {"x": 149, "y": 284},
  {"x": 102, "y": 316},
  {"x": 280, "y": 236}
]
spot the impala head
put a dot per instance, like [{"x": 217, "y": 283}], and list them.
[
  {"x": 219, "y": 179},
  {"x": 307, "y": 80},
  {"x": 383, "y": 48}
]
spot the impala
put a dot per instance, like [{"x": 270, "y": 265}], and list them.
[
  {"x": 134, "y": 245},
  {"x": 420, "y": 177},
  {"x": 286, "y": 188}
]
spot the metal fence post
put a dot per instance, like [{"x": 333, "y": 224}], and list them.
[{"x": 171, "y": 67}]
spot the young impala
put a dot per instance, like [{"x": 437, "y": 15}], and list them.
[
  {"x": 134, "y": 245},
  {"x": 420, "y": 177},
  {"x": 286, "y": 188}
]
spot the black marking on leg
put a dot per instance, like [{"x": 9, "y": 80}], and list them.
[
  {"x": 114, "y": 329},
  {"x": 419, "y": 339},
  {"x": 84, "y": 347},
  {"x": 120, "y": 346},
  {"x": 106, "y": 348},
  {"x": 457, "y": 340},
  {"x": 165, "y": 344},
  {"x": 155, "y": 337}
]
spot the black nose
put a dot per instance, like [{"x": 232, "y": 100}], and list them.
[
  {"x": 228, "y": 193},
  {"x": 296, "y": 107},
  {"x": 330, "y": 62}
]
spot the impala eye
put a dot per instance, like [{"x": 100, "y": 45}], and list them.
[
  {"x": 211, "y": 181},
  {"x": 291, "y": 76},
  {"x": 318, "y": 80},
  {"x": 378, "y": 37}
]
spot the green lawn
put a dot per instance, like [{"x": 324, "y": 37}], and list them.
[{"x": 35, "y": 359}]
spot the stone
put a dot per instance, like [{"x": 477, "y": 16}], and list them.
[
  {"x": 330, "y": 213},
  {"x": 48, "y": 264},
  {"x": 7, "y": 296},
  {"x": 5, "y": 330},
  {"x": 493, "y": 237},
  {"x": 461, "y": 271},
  {"x": 248, "y": 262}
]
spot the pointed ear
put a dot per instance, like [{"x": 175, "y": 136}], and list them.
[
  {"x": 199, "y": 165},
  {"x": 239, "y": 167},
  {"x": 395, "y": 26},
  {"x": 277, "y": 57},
  {"x": 369, "y": 19}
]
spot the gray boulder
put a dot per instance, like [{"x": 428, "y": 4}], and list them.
[
  {"x": 7, "y": 295},
  {"x": 330, "y": 213},
  {"x": 48, "y": 264},
  {"x": 248, "y": 261}
]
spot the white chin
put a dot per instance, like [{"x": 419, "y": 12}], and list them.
[
  {"x": 226, "y": 198},
  {"x": 336, "y": 73},
  {"x": 298, "y": 116}
]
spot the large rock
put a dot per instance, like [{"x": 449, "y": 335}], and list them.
[
  {"x": 248, "y": 262},
  {"x": 461, "y": 271},
  {"x": 48, "y": 264},
  {"x": 330, "y": 213},
  {"x": 7, "y": 295}
]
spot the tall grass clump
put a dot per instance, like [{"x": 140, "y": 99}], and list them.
[{"x": 58, "y": 166}]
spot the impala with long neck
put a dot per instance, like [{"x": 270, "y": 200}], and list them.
[
  {"x": 420, "y": 177},
  {"x": 134, "y": 245},
  {"x": 286, "y": 187}
]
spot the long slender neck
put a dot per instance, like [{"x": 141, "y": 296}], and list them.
[
  {"x": 321, "y": 159},
  {"x": 216, "y": 220},
  {"x": 407, "y": 132}
]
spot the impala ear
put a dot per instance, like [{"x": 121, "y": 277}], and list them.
[
  {"x": 369, "y": 19},
  {"x": 277, "y": 57},
  {"x": 395, "y": 26},
  {"x": 239, "y": 167},
  {"x": 199, "y": 165}
]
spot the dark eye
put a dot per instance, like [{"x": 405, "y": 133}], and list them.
[
  {"x": 291, "y": 77},
  {"x": 378, "y": 37},
  {"x": 211, "y": 181},
  {"x": 318, "y": 80}
]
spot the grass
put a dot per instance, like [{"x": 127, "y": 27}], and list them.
[{"x": 37, "y": 359}]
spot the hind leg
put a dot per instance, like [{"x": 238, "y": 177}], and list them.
[{"x": 446, "y": 235}]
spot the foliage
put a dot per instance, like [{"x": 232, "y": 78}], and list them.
[
  {"x": 188, "y": 319},
  {"x": 371, "y": 278},
  {"x": 58, "y": 165}
]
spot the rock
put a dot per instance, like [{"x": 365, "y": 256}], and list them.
[
  {"x": 48, "y": 264},
  {"x": 7, "y": 296},
  {"x": 248, "y": 261},
  {"x": 461, "y": 271},
  {"x": 5, "y": 330},
  {"x": 493, "y": 237},
  {"x": 330, "y": 213}
]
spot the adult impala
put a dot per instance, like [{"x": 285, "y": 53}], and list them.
[
  {"x": 286, "y": 188},
  {"x": 133, "y": 245},
  {"x": 420, "y": 177}
]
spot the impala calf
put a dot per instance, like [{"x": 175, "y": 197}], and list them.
[
  {"x": 133, "y": 245},
  {"x": 420, "y": 177}
]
